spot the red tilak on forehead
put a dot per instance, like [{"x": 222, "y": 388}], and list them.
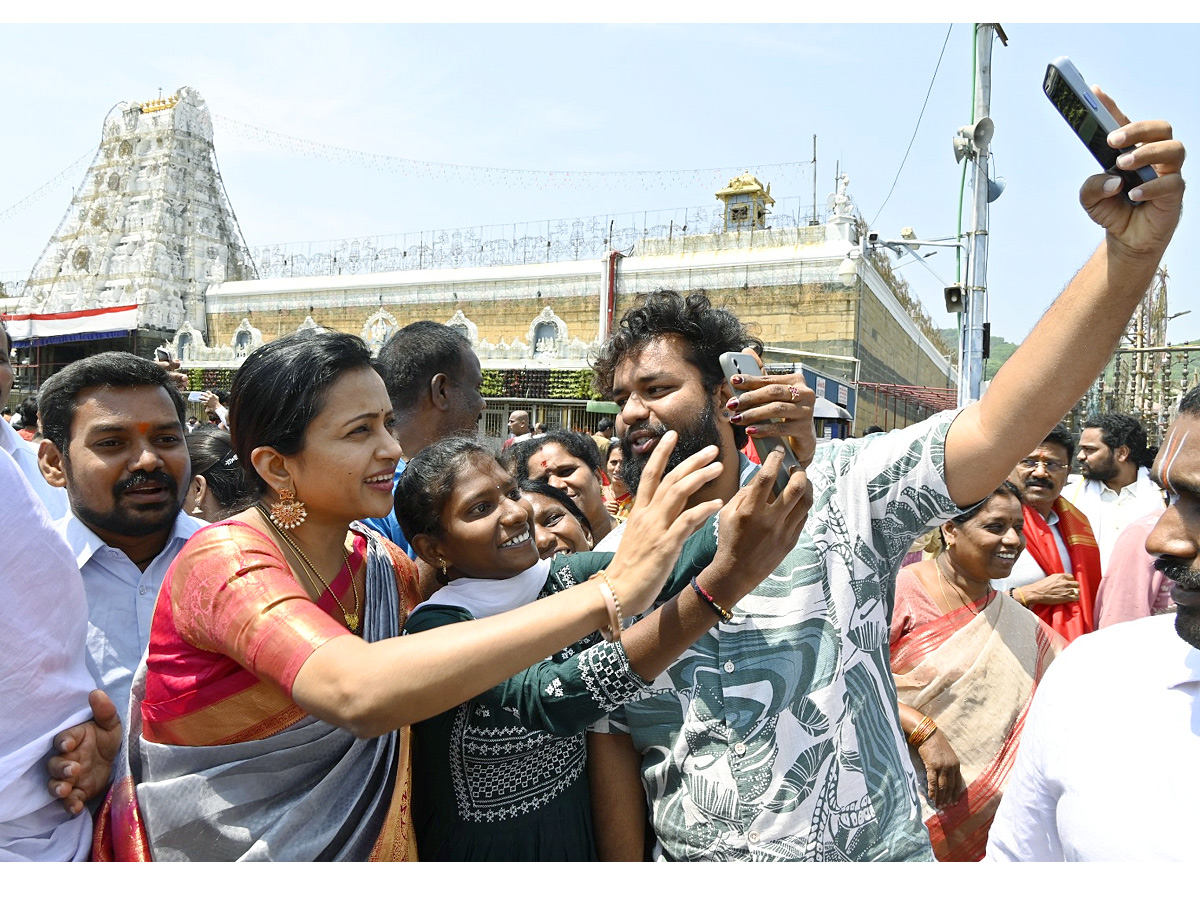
[
  {"x": 545, "y": 465},
  {"x": 143, "y": 427}
]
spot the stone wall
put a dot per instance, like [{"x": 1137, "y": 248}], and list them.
[{"x": 788, "y": 294}]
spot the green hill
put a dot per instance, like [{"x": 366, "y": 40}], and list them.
[{"x": 1001, "y": 351}]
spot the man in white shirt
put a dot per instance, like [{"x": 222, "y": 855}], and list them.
[
  {"x": 1083, "y": 786},
  {"x": 1114, "y": 488},
  {"x": 43, "y": 629},
  {"x": 114, "y": 439},
  {"x": 24, "y": 453}
]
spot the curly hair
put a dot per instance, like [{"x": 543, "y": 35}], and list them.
[
  {"x": 709, "y": 331},
  {"x": 1120, "y": 430}
]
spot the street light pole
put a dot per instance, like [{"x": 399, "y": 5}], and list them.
[{"x": 970, "y": 370}]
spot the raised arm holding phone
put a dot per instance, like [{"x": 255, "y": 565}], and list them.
[{"x": 744, "y": 745}]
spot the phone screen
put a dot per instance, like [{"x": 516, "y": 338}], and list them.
[{"x": 1081, "y": 119}]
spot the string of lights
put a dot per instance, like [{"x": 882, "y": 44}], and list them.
[
  {"x": 29, "y": 199},
  {"x": 537, "y": 178}
]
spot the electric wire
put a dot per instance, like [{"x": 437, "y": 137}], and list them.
[{"x": 917, "y": 128}]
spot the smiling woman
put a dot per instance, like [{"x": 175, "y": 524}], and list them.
[
  {"x": 501, "y": 777},
  {"x": 559, "y": 526},
  {"x": 952, "y": 638},
  {"x": 269, "y": 718},
  {"x": 570, "y": 462}
]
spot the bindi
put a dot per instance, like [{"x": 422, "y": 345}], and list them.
[{"x": 143, "y": 428}]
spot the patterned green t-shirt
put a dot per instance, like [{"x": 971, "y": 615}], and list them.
[{"x": 776, "y": 736}]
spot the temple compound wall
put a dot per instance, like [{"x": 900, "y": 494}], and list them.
[{"x": 536, "y": 326}]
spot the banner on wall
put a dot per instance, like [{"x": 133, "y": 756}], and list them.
[{"x": 37, "y": 329}]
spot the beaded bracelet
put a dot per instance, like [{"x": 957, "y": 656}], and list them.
[
  {"x": 613, "y": 632},
  {"x": 924, "y": 730},
  {"x": 704, "y": 595}
]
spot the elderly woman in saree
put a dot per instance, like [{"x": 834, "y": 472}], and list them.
[
  {"x": 270, "y": 717},
  {"x": 967, "y": 660}
]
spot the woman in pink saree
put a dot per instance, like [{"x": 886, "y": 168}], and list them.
[
  {"x": 966, "y": 660},
  {"x": 270, "y": 717}
]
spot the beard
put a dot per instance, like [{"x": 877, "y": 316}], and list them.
[
  {"x": 692, "y": 439},
  {"x": 132, "y": 523},
  {"x": 1187, "y": 618},
  {"x": 1100, "y": 472}
]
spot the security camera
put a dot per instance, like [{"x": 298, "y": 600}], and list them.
[{"x": 872, "y": 237}]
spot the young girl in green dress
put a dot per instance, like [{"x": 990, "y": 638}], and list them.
[{"x": 502, "y": 777}]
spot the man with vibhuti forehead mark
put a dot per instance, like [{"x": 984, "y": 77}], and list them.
[
  {"x": 114, "y": 429},
  {"x": 1077, "y": 791}
]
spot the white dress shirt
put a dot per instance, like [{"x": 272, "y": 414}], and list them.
[
  {"x": 44, "y": 682},
  {"x": 1109, "y": 511},
  {"x": 120, "y": 599},
  {"x": 25, "y": 454},
  {"x": 1106, "y": 768}
]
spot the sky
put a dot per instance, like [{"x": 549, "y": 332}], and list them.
[{"x": 590, "y": 102}]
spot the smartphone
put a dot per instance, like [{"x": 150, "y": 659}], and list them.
[
  {"x": 1089, "y": 119},
  {"x": 745, "y": 364},
  {"x": 162, "y": 354},
  {"x": 196, "y": 397}
]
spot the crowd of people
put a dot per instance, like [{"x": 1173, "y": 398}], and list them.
[{"x": 332, "y": 625}]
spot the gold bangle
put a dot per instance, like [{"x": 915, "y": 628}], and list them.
[
  {"x": 924, "y": 730},
  {"x": 1021, "y": 597},
  {"x": 613, "y": 632}
]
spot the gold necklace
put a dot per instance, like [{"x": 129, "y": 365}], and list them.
[
  {"x": 350, "y": 617},
  {"x": 937, "y": 564}
]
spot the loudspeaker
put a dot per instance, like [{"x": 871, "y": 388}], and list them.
[{"x": 954, "y": 298}]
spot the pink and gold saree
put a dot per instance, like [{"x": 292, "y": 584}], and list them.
[
  {"x": 974, "y": 672},
  {"x": 219, "y": 763}
]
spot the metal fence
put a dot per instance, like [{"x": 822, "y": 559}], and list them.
[{"x": 554, "y": 240}]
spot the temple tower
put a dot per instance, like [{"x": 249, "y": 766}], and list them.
[{"x": 149, "y": 226}]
